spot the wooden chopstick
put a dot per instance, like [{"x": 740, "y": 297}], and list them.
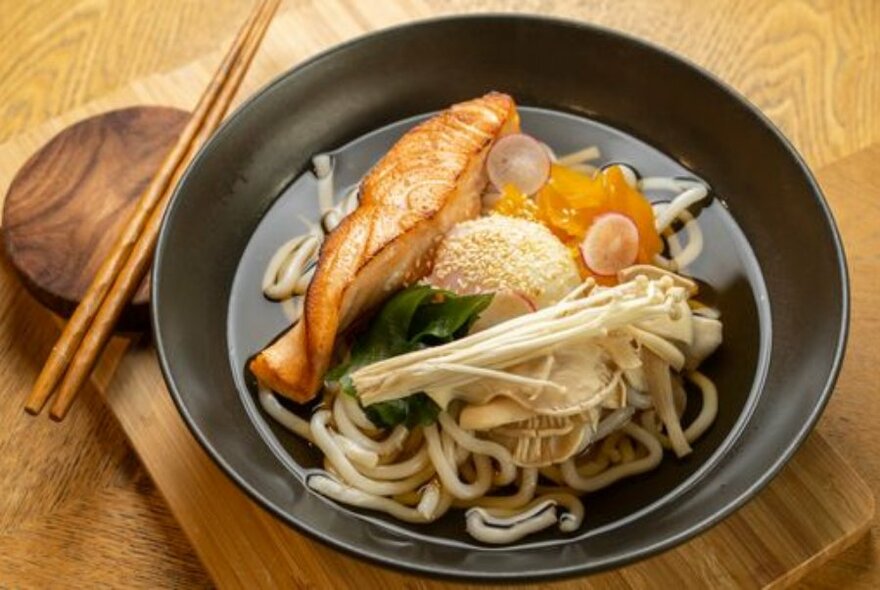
[
  {"x": 138, "y": 263},
  {"x": 88, "y": 330},
  {"x": 79, "y": 322}
]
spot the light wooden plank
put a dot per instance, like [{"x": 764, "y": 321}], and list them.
[
  {"x": 812, "y": 68},
  {"x": 816, "y": 507}
]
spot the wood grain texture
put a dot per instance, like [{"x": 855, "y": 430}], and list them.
[
  {"x": 60, "y": 54},
  {"x": 813, "y": 67},
  {"x": 852, "y": 187},
  {"x": 68, "y": 203},
  {"x": 244, "y": 547},
  {"x": 74, "y": 494},
  {"x": 814, "y": 509},
  {"x": 119, "y": 536}
]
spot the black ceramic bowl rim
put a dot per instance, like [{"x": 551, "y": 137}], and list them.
[{"x": 626, "y": 556}]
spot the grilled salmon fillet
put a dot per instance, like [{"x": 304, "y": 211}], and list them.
[{"x": 431, "y": 179}]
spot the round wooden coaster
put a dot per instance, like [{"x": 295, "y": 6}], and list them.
[{"x": 67, "y": 204}]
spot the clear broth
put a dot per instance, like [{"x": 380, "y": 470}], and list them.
[{"x": 726, "y": 269}]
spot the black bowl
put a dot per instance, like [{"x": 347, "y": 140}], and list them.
[{"x": 786, "y": 303}]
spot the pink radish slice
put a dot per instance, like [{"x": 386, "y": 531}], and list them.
[
  {"x": 520, "y": 160},
  {"x": 505, "y": 305},
  {"x": 550, "y": 153},
  {"x": 529, "y": 301},
  {"x": 611, "y": 244}
]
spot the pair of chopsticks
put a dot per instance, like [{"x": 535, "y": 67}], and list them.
[{"x": 86, "y": 334}]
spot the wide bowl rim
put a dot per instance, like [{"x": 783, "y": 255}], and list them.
[{"x": 599, "y": 565}]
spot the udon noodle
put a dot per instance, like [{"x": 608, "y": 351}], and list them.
[{"x": 417, "y": 475}]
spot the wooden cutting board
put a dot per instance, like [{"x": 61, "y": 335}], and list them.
[{"x": 815, "y": 508}]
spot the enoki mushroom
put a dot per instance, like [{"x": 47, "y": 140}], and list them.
[{"x": 418, "y": 475}]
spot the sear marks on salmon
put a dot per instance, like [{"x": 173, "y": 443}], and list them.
[{"x": 431, "y": 179}]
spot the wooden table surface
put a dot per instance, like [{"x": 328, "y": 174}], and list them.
[{"x": 813, "y": 68}]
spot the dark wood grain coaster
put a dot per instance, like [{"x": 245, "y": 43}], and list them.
[{"x": 66, "y": 205}]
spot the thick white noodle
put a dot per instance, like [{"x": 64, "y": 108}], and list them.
[
  {"x": 428, "y": 508},
  {"x": 323, "y": 165},
  {"x": 587, "y": 154},
  {"x": 507, "y": 469},
  {"x": 305, "y": 279},
  {"x": 455, "y": 453},
  {"x": 679, "y": 204},
  {"x": 629, "y": 174},
  {"x": 402, "y": 469},
  {"x": 292, "y": 309},
  {"x": 287, "y": 280},
  {"x": 689, "y": 192},
  {"x": 334, "y": 216},
  {"x": 482, "y": 526},
  {"x": 270, "y": 275},
  {"x": 357, "y": 415},
  {"x": 366, "y": 472},
  {"x": 391, "y": 444},
  {"x": 681, "y": 257},
  {"x": 569, "y": 521},
  {"x": 668, "y": 183},
  {"x": 287, "y": 266},
  {"x": 593, "y": 467},
  {"x": 590, "y": 484},
  {"x": 709, "y": 409},
  {"x": 325, "y": 441},
  {"x": 292, "y": 266},
  {"x": 364, "y": 458},
  {"x": 524, "y": 494},
  {"x": 637, "y": 399},
  {"x": 448, "y": 473},
  {"x": 283, "y": 416}
]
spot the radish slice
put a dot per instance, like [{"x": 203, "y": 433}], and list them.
[
  {"x": 611, "y": 244},
  {"x": 533, "y": 306},
  {"x": 519, "y": 160},
  {"x": 550, "y": 153},
  {"x": 505, "y": 305}
]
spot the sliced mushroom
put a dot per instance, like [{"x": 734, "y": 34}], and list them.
[
  {"x": 497, "y": 412},
  {"x": 611, "y": 423},
  {"x": 707, "y": 338},
  {"x": 635, "y": 378},
  {"x": 622, "y": 349},
  {"x": 483, "y": 526},
  {"x": 660, "y": 387},
  {"x": 661, "y": 347},
  {"x": 677, "y": 326},
  {"x": 544, "y": 440},
  {"x": 617, "y": 399},
  {"x": 679, "y": 396},
  {"x": 584, "y": 374}
]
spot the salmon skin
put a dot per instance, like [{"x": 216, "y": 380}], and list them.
[{"x": 431, "y": 179}]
